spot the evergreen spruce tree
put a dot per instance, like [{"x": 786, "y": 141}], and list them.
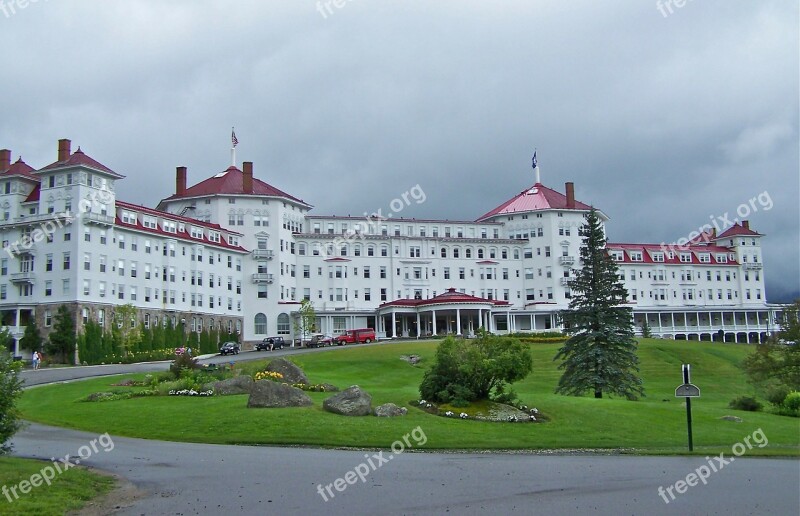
[
  {"x": 31, "y": 339},
  {"x": 63, "y": 338},
  {"x": 600, "y": 354}
]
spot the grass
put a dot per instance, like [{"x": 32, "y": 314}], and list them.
[
  {"x": 656, "y": 424},
  {"x": 67, "y": 492}
]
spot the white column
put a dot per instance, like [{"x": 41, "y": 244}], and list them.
[
  {"x": 434, "y": 321},
  {"x": 419, "y": 327},
  {"x": 394, "y": 324},
  {"x": 458, "y": 321},
  {"x": 491, "y": 322}
]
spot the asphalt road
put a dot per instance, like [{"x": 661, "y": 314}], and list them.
[{"x": 183, "y": 478}]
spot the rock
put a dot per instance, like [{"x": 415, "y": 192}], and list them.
[
  {"x": 390, "y": 410},
  {"x": 411, "y": 359},
  {"x": 237, "y": 385},
  {"x": 350, "y": 402},
  {"x": 291, "y": 373},
  {"x": 269, "y": 394},
  {"x": 735, "y": 419},
  {"x": 329, "y": 387}
]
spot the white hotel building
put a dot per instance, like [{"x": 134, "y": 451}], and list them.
[{"x": 236, "y": 252}]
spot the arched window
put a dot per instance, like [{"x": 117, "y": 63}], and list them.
[
  {"x": 456, "y": 252},
  {"x": 283, "y": 324},
  {"x": 260, "y": 324},
  {"x": 371, "y": 250},
  {"x": 468, "y": 252},
  {"x": 480, "y": 252},
  {"x": 444, "y": 252}
]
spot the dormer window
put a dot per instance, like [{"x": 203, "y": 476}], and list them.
[
  {"x": 722, "y": 258},
  {"x": 616, "y": 255},
  {"x": 149, "y": 222},
  {"x": 196, "y": 232},
  {"x": 658, "y": 257},
  {"x": 636, "y": 256},
  {"x": 686, "y": 257},
  {"x": 128, "y": 217},
  {"x": 704, "y": 258}
]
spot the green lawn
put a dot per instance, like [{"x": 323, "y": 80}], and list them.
[
  {"x": 656, "y": 424},
  {"x": 68, "y": 491}
]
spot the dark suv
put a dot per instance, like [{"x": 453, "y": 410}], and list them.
[
  {"x": 229, "y": 348},
  {"x": 270, "y": 343}
]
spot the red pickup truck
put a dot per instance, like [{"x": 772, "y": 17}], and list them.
[{"x": 365, "y": 335}]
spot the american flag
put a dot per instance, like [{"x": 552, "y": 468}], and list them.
[
  {"x": 535, "y": 164},
  {"x": 234, "y": 139}
]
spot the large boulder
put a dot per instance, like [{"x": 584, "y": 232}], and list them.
[
  {"x": 269, "y": 394},
  {"x": 390, "y": 410},
  {"x": 350, "y": 402},
  {"x": 239, "y": 385},
  {"x": 291, "y": 373}
]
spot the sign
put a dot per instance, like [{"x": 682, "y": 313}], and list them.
[{"x": 687, "y": 390}]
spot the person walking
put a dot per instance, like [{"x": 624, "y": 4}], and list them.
[{"x": 36, "y": 359}]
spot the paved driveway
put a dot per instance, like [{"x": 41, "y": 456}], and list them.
[{"x": 183, "y": 478}]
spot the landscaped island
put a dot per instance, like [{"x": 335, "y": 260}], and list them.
[{"x": 655, "y": 424}]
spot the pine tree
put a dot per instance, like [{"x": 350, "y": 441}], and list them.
[
  {"x": 63, "y": 338},
  {"x": 600, "y": 355},
  {"x": 31, "y": 339}
]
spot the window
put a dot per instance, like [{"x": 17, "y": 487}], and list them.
[
  {"x": 260, "y": 324},
  {"x": 283, "y": 324},
  {"x": 65, "y": 262}
]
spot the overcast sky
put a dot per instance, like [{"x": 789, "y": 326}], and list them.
[{"x": 665, "y": 118}]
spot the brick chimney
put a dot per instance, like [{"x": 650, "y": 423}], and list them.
[
  {"x": 247, "y": 177},
  {"x": 5, "y": 160},
  {"x": 746, "y": 224},
  {"x": 63, "y": 149},
  {"x": 570, "y": 187},
  {"x": 180, "y": 180}
]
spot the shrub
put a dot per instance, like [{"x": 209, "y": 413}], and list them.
[
  {"x": 792, "y": 401},
  {"x": 776, "y": 394},
  {"x": 748, "y": 403},
  {"x": 182, "y": 365},
  {"x": 469, "y": 370},
  {"x": 10, "y": 390}
]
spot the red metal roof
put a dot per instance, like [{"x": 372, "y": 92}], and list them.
[
  {"x": 20, "y": 168},
  {"x": 79, "y": 159},
  {"x": 230, "y": 182},
  {"x": 173, "y": 216},
  {"x": 34, "y": 195},
  {"x": 448, "y": 297},
  {"x": 537, "y": 197},
  {"x": 179, "y": 235},
  {"x": 738, "y": 230},
  {"x": 649, "y": 249}
]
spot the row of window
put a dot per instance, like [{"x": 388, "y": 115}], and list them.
[{"x": 369, "y": 228}]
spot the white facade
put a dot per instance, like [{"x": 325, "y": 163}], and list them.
[{"x": 233, "y": 250}]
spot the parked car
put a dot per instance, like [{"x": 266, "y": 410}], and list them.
[
  {"x": 317, "y": 340},
  {"x": 365, "y": 335},
  {"x": 270, "y": 343},
  {"x": 229, "y": 348}
]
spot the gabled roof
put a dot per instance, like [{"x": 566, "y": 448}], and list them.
[
  {"x": 447, "y": 297},
  {"x": 80, "y": 159},
  {"x": 649, "y": 249},
  {"x": 34, "y": 195},
  {"x": 230, "y": 182},
  {"x": 20, "y": 168},
  {"x": 537, "y": 197},
  {"x": 738, "y": 230}
]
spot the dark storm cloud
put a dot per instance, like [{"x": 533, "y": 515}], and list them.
[{"x": 661, "y": 121}]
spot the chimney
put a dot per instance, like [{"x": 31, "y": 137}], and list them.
[
  {"x": 713, "y": 232},
  {"x": 63, "y": 149},
  {"x": 247, "y": 178},
  {"x": 570, "y": 195},
  {"x": 5, "y": 160},
  {"x": 180, "y": 180},
  {"x": 746, "y": 224}
]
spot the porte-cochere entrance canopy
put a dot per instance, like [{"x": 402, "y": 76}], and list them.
[{"x": 451, "y": 312}]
